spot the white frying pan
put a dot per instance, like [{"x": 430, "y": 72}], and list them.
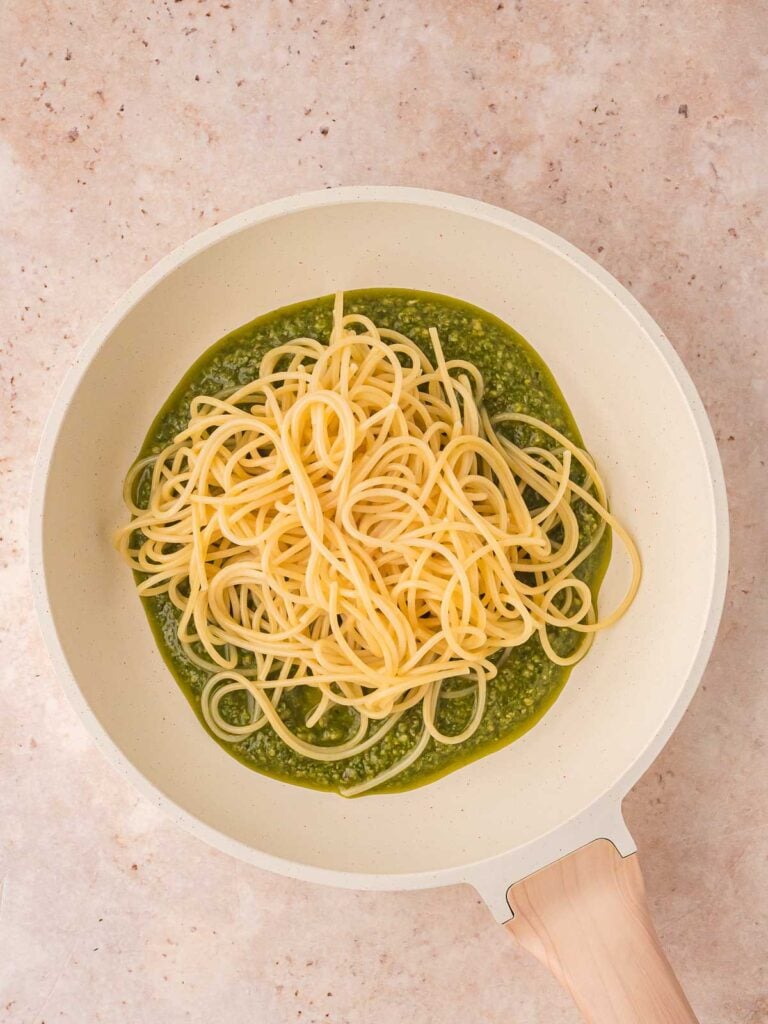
[{"x": 536, "y": 827}]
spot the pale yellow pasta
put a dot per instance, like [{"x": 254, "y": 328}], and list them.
[{"x": 354, "y": 520}]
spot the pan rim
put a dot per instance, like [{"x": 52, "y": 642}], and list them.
[{"x": 603, "y": 814}]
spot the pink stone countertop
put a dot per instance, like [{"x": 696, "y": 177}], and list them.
[{"x": 637, "y": 131}]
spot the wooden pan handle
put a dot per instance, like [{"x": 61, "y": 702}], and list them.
[{"x": 586, "y": 918}]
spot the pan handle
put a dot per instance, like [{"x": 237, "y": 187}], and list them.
[{"x": 586, "y": 918}]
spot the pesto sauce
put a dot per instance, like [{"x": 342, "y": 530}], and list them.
[{"x": 516, "y": 380}]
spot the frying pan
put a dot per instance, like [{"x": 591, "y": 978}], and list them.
[{"x": 536, "y": 827}]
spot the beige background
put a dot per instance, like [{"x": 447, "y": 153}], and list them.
[{"x": 636, "y": 130}]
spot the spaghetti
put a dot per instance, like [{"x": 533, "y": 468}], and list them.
[{"x": 355, "y": 521}]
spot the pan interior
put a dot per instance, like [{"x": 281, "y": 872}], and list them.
[{"x": 634, "y": 417}]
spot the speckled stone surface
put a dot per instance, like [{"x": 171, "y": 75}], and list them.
[{"x": 635, "y": 130}]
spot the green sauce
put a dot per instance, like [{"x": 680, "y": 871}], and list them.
[{"x": 528, "y": 683}]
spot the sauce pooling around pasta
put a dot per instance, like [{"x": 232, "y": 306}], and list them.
[{"x": 331, "y": 705}]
